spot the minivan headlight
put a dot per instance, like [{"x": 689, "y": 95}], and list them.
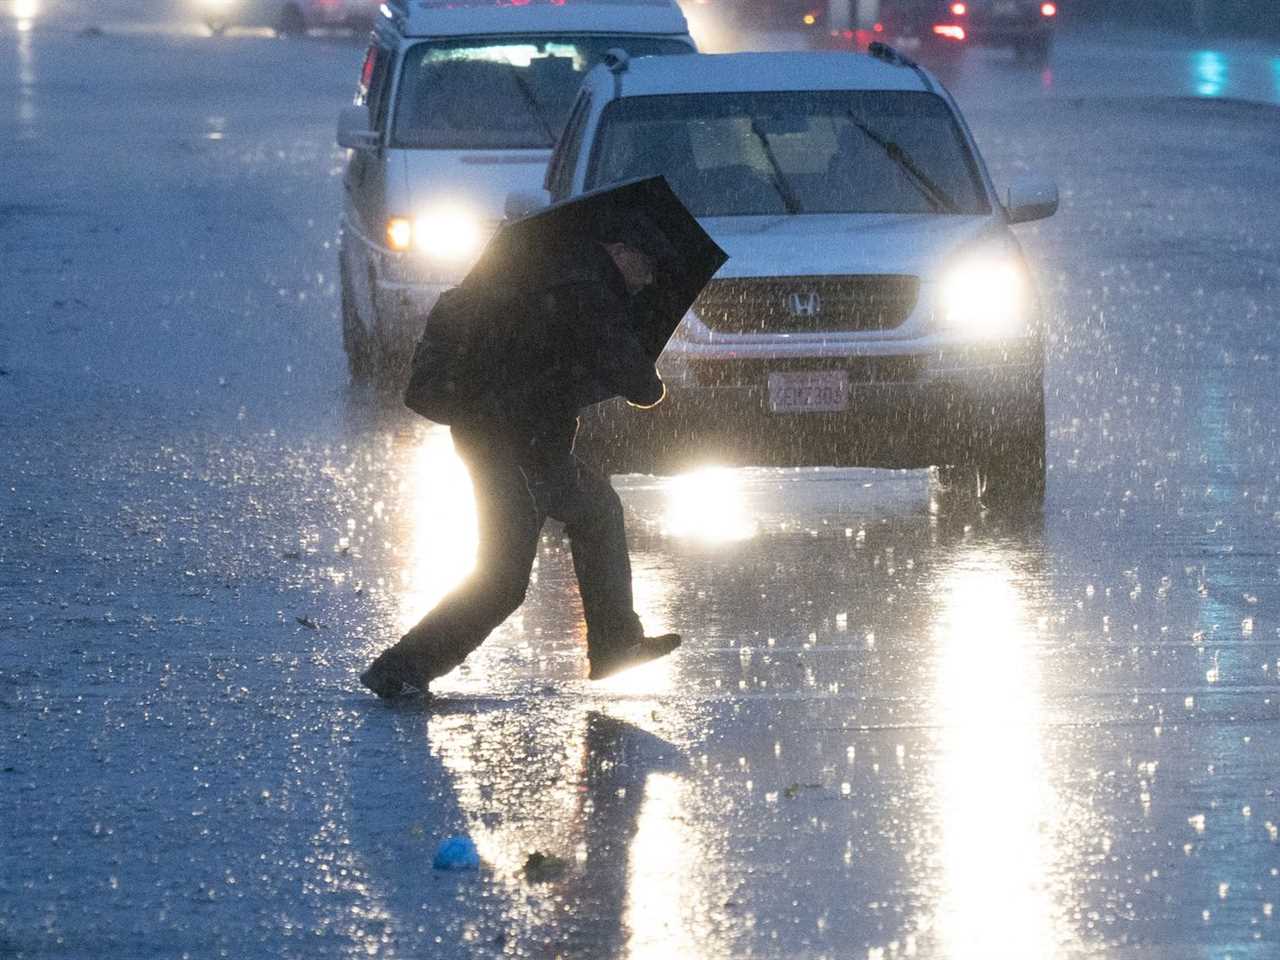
[
  {"x": 987, "y": 297},
  {"x": 449, "y": 234}
]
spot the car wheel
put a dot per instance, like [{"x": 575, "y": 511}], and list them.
[
  {"x": 1013, "y": 467},
  {"x": 1009, "y": 468},
  {"x": 355, "y": 341},
  {"x": 291, "y": 22},
  {"x": 1016, "y": 476}
]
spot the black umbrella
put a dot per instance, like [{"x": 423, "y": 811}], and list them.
[{"x": 532, "y": 252}]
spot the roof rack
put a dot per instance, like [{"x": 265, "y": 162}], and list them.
[
  {"x": 886, "y": 53},
  {"x": 397, "y": 11},
  {"x": 617, "y": 61},
  {"x": 882, "y": 51}
]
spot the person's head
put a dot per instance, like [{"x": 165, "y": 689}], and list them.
[
  {"x": 634, "y": 264},
  {"x": 636, "y": 245}
]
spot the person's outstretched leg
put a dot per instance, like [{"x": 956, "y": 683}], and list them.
[
  {"x": 508, "y": 523},
  {"x": 592, "y": 513}
]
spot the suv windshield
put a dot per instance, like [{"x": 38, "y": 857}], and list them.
[
  {"x": 738, "y": 154},
  {"x": 504, "y": 92}
]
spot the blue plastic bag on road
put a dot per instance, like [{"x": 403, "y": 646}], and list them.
[{"x": 456, "y": 853}]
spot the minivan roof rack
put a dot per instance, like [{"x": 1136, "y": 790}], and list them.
[
  {"x": 397, "y": 11},
  {"x": 887, "y": 54},
  {"x": 882, "y": 51},
  {"x": 616, "y": 61}
]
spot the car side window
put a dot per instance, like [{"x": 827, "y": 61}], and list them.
[
  {"x": 366, "y": 74},
  {"x": 380, "y": 95},
  {"x": 375, "y": 81},
  {"x": 564, "y": 162}
]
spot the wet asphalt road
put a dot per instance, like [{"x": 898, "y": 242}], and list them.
[{"x": 901, "y": 725}]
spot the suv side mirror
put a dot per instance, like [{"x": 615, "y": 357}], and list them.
[
  {"x": 1031, "y": 198},
  {"x": 521, "y": 203},
  {"x": 353, "y": 129}
]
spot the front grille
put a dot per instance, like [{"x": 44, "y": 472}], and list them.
[{"x": 807, "y": 304}]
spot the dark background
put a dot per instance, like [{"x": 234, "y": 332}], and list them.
[
  {"x": 1207, "y": 18},
  {"x": 1232, "y": 17}
]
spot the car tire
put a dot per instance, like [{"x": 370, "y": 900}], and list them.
[
  {"x": 291, "y": 22},
  {"x": 1012, "y": 471},
  {"x": 1016, "y": 476},
  {"x": 357, "y": 344},
  {"x": 1009, "y": 468}
]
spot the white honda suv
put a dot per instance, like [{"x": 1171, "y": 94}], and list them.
[{"x": 876, "y": 308}]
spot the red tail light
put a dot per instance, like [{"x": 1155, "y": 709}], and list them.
[
  {"x": 959, "y": 9},
  {"x": 949, "y": 30},
  {"x": 1048, "y": 9}
]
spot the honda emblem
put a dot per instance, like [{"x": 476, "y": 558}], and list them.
[{"x": 804, "y": 304}]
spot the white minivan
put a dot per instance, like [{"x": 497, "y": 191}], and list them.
[{"x": 459, "y": 104}]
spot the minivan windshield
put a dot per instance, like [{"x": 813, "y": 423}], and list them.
[
  {"x": 502, "y": 92},
  {"x": 739, "y": 154}
]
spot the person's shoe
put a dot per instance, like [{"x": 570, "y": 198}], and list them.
[
  {"x": 394, "y": 674},
  {"x": 631, "y": 655}
]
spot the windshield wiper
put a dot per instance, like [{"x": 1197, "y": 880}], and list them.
[
  {"x": 789, "y": 201},
  {"x": 938, "y": 198},
  {"x": 534, "y": 108}
]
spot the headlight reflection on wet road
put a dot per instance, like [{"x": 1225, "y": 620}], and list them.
[
  {"x": 443, "y": 545},
  {"x": 581, "y": 816},
  {"x": 657, "y": 894},
  {"x": 709, "y": 505},
  {"x": 993, "y": 789},
  {"x": 25, "y": 12},
  {"x": 26, "y": 75}
]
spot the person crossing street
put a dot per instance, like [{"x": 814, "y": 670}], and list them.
[{"x": 517, "y": 441}]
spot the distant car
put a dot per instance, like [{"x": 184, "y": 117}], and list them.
[
  {"x": 287, "y": 17},
  {"x": 927, "y": 30},
  {"x": 876, "y": 310},
  {"x": 459, "y": 104},
  {"x": 1025, "y": 26},
  {"x": 935, "y": 32}
]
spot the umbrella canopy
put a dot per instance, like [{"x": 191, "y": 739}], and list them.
[{"x": 535, "y": 251}]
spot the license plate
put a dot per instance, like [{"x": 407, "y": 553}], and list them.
[
  {"x": 1006, "y": 8},
  {"x": 814, "y": 391}
]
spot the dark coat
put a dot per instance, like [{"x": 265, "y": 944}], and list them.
[{"x": 575, "y": 345}]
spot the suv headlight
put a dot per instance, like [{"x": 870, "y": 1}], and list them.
[
  {"x": 449, "y": 234},
  {"x": 986, "y": 296}
]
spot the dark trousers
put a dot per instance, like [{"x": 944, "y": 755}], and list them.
[{"x": 517, "y": 485}]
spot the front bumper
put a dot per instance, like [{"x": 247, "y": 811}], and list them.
[
  {"x": 405, "y": 290},
  {"x": 903, "y": 411}
]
